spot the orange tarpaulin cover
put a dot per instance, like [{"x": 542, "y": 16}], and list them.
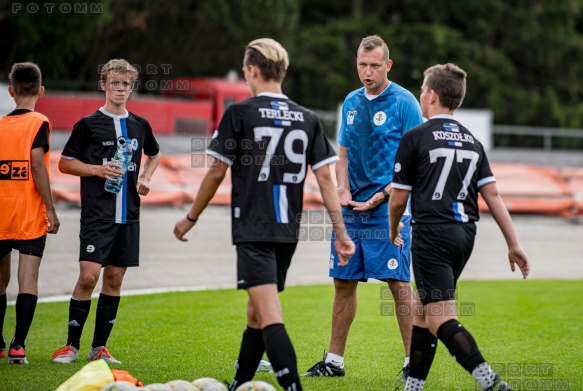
[{"x": 524, "y": 188}]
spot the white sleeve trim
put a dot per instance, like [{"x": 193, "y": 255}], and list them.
[
  {"x": 401, "y": 186},
  {"x": 330, "y": 160},
  {"x": 218, "y": 156},
  {"x": 485, "y": 181},
  {"x": 68, "y": 157}
]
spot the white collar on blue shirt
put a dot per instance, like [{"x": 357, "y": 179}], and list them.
[{"x": 371, "y": 97}]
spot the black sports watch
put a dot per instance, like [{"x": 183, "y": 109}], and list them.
[{"x": 385, "y": 195}]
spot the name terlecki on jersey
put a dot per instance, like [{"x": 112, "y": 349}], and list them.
[
  {"x": 282, "y": 114},
  {"x": 269, "y": 141}
]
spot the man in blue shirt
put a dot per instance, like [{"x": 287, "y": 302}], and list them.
[{"x": 374, "y": 118}]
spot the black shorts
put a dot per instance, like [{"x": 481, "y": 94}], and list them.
[
  {"x": 110, "y": 243},
  {"x": 440, "y": 253},
  {"x": 261, "y": 263},
  {"x": 34, "y": 247}
]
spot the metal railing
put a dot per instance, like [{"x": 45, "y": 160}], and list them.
[
  {"x": 547, "y": 134},
  {"x": 329, "y": 119}
]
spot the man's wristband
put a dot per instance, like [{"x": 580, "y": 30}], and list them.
[
  {"x": 385, "y": 195},
  {"x": 191, "y": 220}
]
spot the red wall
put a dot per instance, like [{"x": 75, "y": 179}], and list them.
[{"x": 65, "y": 110}]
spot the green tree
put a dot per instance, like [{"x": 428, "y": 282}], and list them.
[
  {"x": 522, "y": 56},
  {"x": 192, "y": 37},
  {"x": 55, "y": 35}
]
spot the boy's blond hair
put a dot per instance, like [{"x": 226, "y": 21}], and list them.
[
  {"x": 269, "y": 56},
  {"x": 118, "y": 66}
]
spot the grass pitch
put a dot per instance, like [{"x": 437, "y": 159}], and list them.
[{"x": 528, "y": 330}]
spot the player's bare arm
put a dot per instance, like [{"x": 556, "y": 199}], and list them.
[
  {"x": 516, "y": 255},
  {"x": 343, "y": 244},
  {"x": 76, "y": 167},
  {"x": 207, "y": 190},
  {"x": 397, "y": 206},
  {"x": 343, "y": 189},
  {"x": 373, "y": 202},
  {"x": 150, "y": 166},
  {"x": 41, "y": 180}
]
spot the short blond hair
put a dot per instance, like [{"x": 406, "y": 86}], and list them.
[
  {"x": 118, "y": 65},
  {"x": 271, "y": 58},
  {"x": 371, "y": 42}
]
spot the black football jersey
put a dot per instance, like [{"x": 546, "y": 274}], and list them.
[
  {"x": 443, "y": 166},
  {"x": 95, "y": 139},
  {"x": 269, "y": 141}
]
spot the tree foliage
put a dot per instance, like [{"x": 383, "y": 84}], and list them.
[{"x": 522, "y": 56}]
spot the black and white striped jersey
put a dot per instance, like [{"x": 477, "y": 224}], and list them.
[
  {"x": 269, "y": 141},
  {"x": 95, "y": 139},
  {"x": 443, "y": 166}
]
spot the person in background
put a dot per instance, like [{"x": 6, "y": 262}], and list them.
[
  {"x": 26, "y": 205},
  {"x": 280, "y": 138},
  {"x": 444, "y": 167},
  {"x": 105, "y": 150},
  {"x": 374, "y": 118}
]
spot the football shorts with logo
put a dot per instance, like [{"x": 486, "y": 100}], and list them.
[
  {"x": 260, "y": 263},
  {"x": 375, "y": 255},
  {"x": 110, "y": 243}
]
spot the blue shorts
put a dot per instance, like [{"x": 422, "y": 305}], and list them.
[{"x": 375, "y": 255}]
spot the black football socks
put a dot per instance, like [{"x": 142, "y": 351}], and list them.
[
  {"x": 25, "y": 306},
  {"x": 282, "y": 355},
  {"x": 464, "y": 348},
  {"x": 423, "y": 347},
  {"x": 252, "y": 349},
  {"x": 3, "y": 304},
  {"x": 104, "y": 318},
  {"x": 78, "y": 312}
]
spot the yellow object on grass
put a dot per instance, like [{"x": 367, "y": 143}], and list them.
[{"x": 91, "y": 377}]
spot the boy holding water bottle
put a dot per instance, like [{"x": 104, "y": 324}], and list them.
[{"x": 105, "y": 150}]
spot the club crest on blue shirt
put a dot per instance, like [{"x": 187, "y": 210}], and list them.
[
  {"x": 379, "y": 118},
  {"x": 350, "y": 117}
]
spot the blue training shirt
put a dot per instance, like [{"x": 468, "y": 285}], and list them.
[{"x": 371, "y": 130}]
